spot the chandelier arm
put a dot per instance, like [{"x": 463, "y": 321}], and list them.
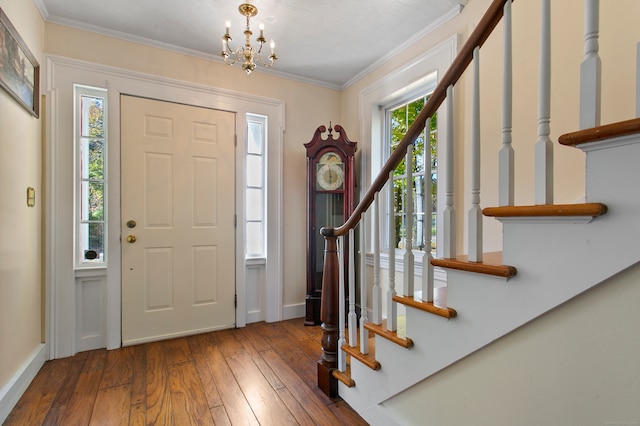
[{"x": 272, "y": 59}]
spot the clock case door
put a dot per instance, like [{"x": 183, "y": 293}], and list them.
[{"x": 325, "y": 206}]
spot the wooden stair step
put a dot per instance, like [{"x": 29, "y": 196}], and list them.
[
  {"x": 381, "y": 330},
  {"x": 345, "y": 376},
  {"x": 367, "y": 359},
  {"x": 490, "y": 265},
  {"x": 607, "y": 131},
  {"x": 426, "y": 306},
  {"x": 547, "y": 210}
]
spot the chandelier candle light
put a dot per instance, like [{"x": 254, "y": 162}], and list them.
[{"x": 247, "y": 53}]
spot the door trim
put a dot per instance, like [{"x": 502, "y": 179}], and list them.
[{"x": 61, "y": 73}]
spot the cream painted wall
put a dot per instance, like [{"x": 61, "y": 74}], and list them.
[
  {"x": 577, "y": 365},
  {"x": 21, "y": 234},
  {"x": 307, "y": 107}
]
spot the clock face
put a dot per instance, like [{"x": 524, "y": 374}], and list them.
[{"x": 330, "y": 172}]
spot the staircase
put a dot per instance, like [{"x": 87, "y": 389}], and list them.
[
  {"x": 488, "y": 306},
  {"x": 551, "y": 253}
]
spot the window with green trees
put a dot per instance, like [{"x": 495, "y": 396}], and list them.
[
  {"x": 399, "y": 119},
  {"x": 91, "y": 141}
]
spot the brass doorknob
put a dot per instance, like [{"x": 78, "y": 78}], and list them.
[{"x": 131, "y": 238}]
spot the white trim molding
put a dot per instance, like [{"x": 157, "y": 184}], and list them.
[{"x": 15, "y": 387}]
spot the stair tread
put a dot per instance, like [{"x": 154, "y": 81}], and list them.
[
  {"x": 621, "y": 128},
  {"x": 490, "y": 265},
  {"x": 381, "y": 330},
  {"x": 426, "y": 306},
  {"x": 367, "y": 359},
  {"x": 547, "y": 210},
  {"x": 345, "y": 376}
]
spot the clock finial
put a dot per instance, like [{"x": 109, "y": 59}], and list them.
[{"x": 330, "y": 129}]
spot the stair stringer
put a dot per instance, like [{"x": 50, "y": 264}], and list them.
[{"x": 557, "y": 259}]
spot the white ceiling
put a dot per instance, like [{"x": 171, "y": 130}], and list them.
[{"x": 328, "y": 42}]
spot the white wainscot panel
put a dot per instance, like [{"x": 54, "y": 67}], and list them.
[
  {"x": 90, "y": 313},
  {"x": 256, "y": 282}
]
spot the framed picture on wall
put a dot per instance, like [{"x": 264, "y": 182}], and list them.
[{"x": 19, "y": 70}]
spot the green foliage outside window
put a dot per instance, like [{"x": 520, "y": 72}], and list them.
[
  {"x": 92, "y": 173},
  {"x": 400, "y": 119}
]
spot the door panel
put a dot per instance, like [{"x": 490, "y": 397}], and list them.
[{"x": 178, "y": 261}]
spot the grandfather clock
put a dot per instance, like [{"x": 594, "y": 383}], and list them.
[{"x": 330, "y": 201}]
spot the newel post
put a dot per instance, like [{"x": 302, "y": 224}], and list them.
[{"x": 329, "y": 311}]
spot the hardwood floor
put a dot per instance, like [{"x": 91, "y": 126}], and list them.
[{"x": 261, "y": 374}]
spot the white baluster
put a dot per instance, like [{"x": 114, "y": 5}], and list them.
[
  {"x": 590, "y": 68},
  {"x": 392, "y": 307},
  {"x": 427, "y": 267},
  {"x": 475, "y": 212},
  {"x": 377, "y": 290},
  {"x": 408, "y": 278},
  {"x": 364, "y": 333},
  {"x": 449, "y": 214},
  {"x": 506, "y": 155},
  {"x": 638, "y": 80},
  {"x": 544, "y": 147},
  {"x": 353, "y": 318},
  {"x": 342, "y": 356}
]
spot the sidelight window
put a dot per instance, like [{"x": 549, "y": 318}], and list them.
[
  {"x": 255, "y": 189},
  {"x": 90, "y": 135}
]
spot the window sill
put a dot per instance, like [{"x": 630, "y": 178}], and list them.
[
  {"x": 91, "y": 271},
  {"x": 255, "y": 261}
]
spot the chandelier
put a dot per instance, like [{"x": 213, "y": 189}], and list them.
[{"x": 247, "y": 54}]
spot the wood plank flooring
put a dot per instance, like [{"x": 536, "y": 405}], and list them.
[{"x": 263, "y": 374}]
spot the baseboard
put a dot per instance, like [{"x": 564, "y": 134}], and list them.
[
  {"x": 293, "y": 311},
  {"x": 254, "y": 316},
  {"x": 13, "y": 390}
]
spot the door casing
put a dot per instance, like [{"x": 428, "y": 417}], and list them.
[{"x": 61, "y": 74}]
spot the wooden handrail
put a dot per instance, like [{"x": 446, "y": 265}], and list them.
[{"x": 485, "y": 27}]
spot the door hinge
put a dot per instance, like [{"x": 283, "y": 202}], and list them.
[
  {"x": 235, "y": 140},
  {"x": 235, "y": 220},
  {"x": 235, "y": 300}
]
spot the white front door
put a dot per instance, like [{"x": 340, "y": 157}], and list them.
[{"x": 178, "y": 209}]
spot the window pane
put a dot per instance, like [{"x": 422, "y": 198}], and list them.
[
  {"x": 92, "y": 158},
  {"x": 418, "y": 154},
  {"x": 254, "y": 171},
  {"x": 92, "y": 120},
  {"x": 254, "y": 137},
  {"x": 254, "y": 238},
  {"x": 92, "y": 201},
  {"x": 399, "y": 231},
  {"x": 399, "y": 121},
  {"x": 92, "y": 238},
  {"x": 254, "y": 204}
]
